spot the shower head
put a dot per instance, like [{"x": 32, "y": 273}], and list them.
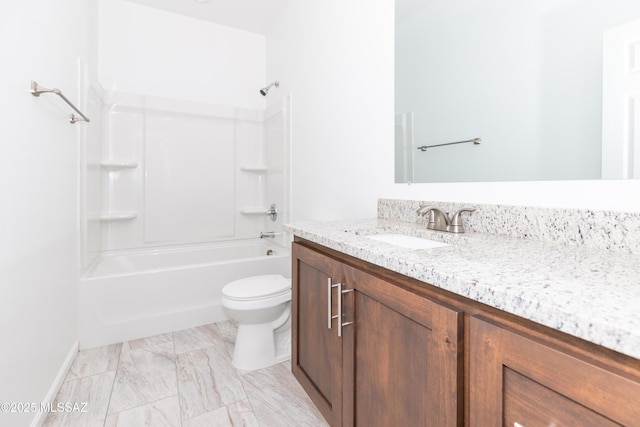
[{"x": 265, "y": 90}]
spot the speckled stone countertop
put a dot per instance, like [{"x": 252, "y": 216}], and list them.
[{"x": 591, "y": 293}]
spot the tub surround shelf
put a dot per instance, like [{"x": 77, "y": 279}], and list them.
[
  {"x": 588, "y": 293},
  {"x": 254, "y": 168},
  {"x": 118, "y": 216},
  {"x": 254, "y": 210},
  {"x": 115, "y": 165}
]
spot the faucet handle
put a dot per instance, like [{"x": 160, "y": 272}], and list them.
[{"x": 456, "y": 222}]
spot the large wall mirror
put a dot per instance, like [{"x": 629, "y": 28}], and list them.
[{"x": 547, "y": 86}]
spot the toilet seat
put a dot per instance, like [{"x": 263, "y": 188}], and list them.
[{"x": 257, "y": 288}]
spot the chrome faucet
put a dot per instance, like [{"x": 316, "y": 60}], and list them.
[{"x": 439, "y": 221}]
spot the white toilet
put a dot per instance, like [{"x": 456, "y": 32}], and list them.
[{"x": 262, "y": 307}]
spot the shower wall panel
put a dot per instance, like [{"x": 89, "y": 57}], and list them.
[
  {"x": 122, "y": 189},
  {"x": 250, "y": 186},
  {"x": 277, "y": 179},
  {"x": 90, "y": 174},
  {"x": 189, "y": 177},
  {"x": 185, "y": 179}
]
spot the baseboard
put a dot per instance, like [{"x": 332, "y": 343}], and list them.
[{"x": 38, "y": 420}]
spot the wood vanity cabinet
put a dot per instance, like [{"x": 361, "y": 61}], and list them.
[
  {"x": 396, "y": 361},
  {"x": 317, "y": 352},
  {"x": 517, "y": 381},
  {"x": 411, "y": 354}
]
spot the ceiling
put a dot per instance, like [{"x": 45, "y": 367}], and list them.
[{"x": 256, "y": 16}]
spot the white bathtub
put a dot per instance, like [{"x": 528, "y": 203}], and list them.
[{"x": 135, "y": 294}]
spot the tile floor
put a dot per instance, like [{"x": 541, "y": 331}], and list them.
[{"x": 182, "y": 379}]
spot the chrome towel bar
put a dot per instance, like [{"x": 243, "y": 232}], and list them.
[
  {"x": 36, "y": 90},
  {"x": 475, "y": 141}
]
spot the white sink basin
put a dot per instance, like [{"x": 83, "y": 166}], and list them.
[{"x": 409, "y": 242}]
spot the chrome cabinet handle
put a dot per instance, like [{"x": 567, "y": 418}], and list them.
[
  {"x": 340, "y": 323},
  {"x": 330, "y": 300},
  {"x": 338, "y": 316},
  {"x": 339, "y": 309},
  {"x": 517, "y": 424}
]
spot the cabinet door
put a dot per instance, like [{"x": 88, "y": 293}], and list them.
[
  {"x": 407, "y": 356},
  {"x": 516, "y": 381},
  {"x": 316, "y": 349}
]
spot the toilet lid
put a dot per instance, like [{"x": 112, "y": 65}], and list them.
[{"x": 257, "y": 287}]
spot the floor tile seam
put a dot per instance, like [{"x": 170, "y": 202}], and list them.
[
  {"x": 194, "y": 350},
  {"x": 147, "y": 377},
  {"x": 224, "y": 405},
  {"x": 243, "y": 373},
  {"x": 88, "y": 376},
  {"x": 175, "y": 364},
  {"x": 244, "y": 389},
  {"x": 227, "y": 408},
  {"x": 147, "y": 347},
  {"x": 104, "y": 417},
  {"x": 73, "y": 364},
  {"x": 205, "y": 412},
  {"x": 253, "y": 410},
  {"x": 106, "y": 413},
  {"x": 242, "y": 383},
  {"x": 145, "y": 404},
  {"x": 151, "y": 349},
  {"x": 220, "y": 342},
  {"x": 113, "y": 383}
]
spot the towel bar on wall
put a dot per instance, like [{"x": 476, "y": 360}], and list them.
[
  {"x": 475, "y": 141},
  {"x": 36, "y": 90}
]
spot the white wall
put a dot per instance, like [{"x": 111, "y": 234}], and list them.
[
  {"x": 336, "y": 58},
  {"x": 152, "y": 52},
  {"x": 39, "y": 40}
]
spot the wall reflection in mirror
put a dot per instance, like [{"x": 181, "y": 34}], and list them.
[{"x": 548, "y": 85}]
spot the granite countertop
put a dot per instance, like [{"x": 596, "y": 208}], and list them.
[{"x": 589, "y": 293}]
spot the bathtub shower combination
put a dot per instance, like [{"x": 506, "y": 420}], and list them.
[
  {"x": 145, "y": 292},
  {"x": 175, "y": 211}
]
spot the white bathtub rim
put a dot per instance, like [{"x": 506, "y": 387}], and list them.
[{"x": 89, "y": 273}]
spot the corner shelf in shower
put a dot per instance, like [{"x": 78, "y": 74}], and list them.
[
  {"x": 254, "y": 210},
  {"x": 118, "y": 216},
  {"x": 254, "y": 168},
  {"x": 114, "y": 165}
]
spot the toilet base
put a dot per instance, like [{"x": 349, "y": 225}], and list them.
[{"x": 260, "y": 346}]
